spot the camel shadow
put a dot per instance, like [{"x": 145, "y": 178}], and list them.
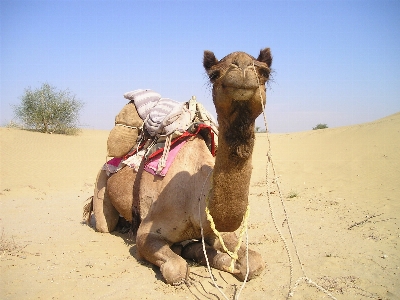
[
  {"x": 133, "y": 251},
  {"x": 130, "y": 240}
]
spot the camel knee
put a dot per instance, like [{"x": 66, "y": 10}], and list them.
[
  {"x": 155, "y": 249},
  {"x": 175, "y": 270},
  {"x": 220, "y": 260},
  {"x": 256, "y": 265}
]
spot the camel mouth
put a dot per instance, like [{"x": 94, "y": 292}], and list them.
[{"x": 241, "y": 84}]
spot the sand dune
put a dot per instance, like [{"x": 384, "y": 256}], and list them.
[{"x": 343, "y": 212}]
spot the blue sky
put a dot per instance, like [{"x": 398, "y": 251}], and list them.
[{"x": 335, "y": 62}]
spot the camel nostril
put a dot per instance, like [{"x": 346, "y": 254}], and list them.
[
  {"x": 235, "y": 64},
  {"x": 240, "y": 65}
]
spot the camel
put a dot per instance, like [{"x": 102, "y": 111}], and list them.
[{"x": 168, "y": 211}]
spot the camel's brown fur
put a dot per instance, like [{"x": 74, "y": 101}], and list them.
[{"x": 169, "y": 207}]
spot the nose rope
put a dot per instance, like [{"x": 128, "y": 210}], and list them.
[{"x": 270, "y": 163}]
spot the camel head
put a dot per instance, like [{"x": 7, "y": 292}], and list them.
[
  {"x": 238, "y": 81},
  {"x": 239, "y": 95}
]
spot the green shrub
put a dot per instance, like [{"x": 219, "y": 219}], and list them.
[
  {"x": 320, "y": 126},
  {"x": 48, "y": 110}
]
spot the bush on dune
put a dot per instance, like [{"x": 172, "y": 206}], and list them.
[{"x": 48, "y": 110}]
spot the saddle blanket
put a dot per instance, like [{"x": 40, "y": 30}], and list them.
[{"x": 117, "y": 163}]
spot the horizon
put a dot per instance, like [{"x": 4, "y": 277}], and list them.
[{"x": 335, "y": 62}]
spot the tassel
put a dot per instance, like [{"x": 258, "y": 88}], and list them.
[{"x": 164, "y": 157}]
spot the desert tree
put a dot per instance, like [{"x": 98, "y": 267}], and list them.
[{"x": 49, "y": 110}]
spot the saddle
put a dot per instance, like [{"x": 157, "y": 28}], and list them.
[{"x": 165, "y": 125}]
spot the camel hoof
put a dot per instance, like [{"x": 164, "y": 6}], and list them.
[
  {"x": 174, "y": 271},
  {"x": 179, "y": 283}
]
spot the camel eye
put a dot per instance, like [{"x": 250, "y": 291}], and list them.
[
  {"x": 214, "y": 75},
  {"x": 264, "y": 72}
]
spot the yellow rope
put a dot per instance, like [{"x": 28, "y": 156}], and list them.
[{"x": 233, "y": 254}]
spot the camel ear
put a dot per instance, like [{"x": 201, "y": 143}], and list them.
[
  {"x": 209, "y": 60},
  {"x": 265, "y": 56}
]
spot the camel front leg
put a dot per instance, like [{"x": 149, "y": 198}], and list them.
[
  {"x": 218, "y": 260},
  {"x": 155, "y": 249},
  {"x": 222, "y": 261},
  {"x": 256, "y": 262}
]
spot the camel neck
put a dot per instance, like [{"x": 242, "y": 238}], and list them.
[{"x": 231, "y": 178}]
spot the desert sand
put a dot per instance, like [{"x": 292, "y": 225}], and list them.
[{"x": 339, "y": 187}]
